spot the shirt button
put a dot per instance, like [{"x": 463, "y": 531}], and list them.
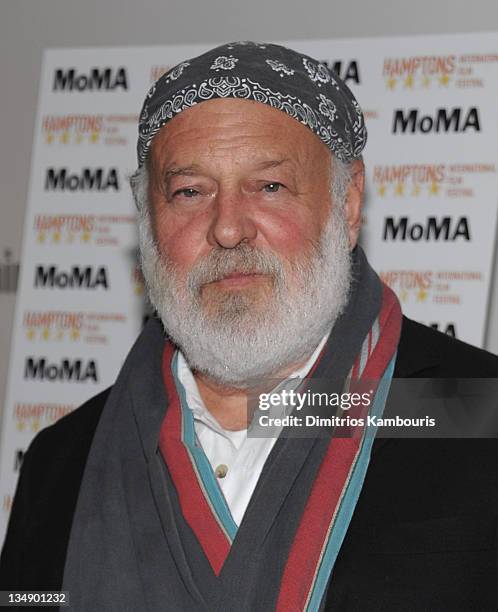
[{"x": 221, "y": 471}]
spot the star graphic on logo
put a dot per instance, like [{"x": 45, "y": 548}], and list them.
[
  {"x": 56, "y": 236},
  {"x": 50, "y": 138},
  {"x": 139, "y": 289},
  {"x": 434, "y": 188},
  {"x": 20, "y": 425},
  {"x": 85, "y": 236},
  {"x": 399, "y": 189},
  {"x": 94, "y": 137},
  {"x": 444, "y": 79},
  {"x": 46, "y": 333},
  {"x": 381, "y": 190},
  {"x": 391, "y": 83},
  {"x": 75, "y": 334},
  {"x": 35, "y": 425},
  {"x": 421, "y": 295},
  {"x": 30, "y": 334},
  {"x": 416, "y": 189},
  {"x": 41, "y": 237},
  {"x": 403, "y": 295},
  {"x": 426, "y": 81},
  {"x": 409, "y": 81},
  {"x": 65, "y": 137}
]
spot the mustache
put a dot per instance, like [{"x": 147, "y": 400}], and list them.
[{"x": 242, "y": 259}]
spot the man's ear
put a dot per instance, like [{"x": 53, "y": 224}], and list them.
[{"x": 354, "y": 201}]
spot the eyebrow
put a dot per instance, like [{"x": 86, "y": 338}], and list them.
[
  {"x": 183, "y": 171},
  {"x": 194, "y": 169},
  {"x": 272, "y": 163}
]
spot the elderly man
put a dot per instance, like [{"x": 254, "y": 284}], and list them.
[{"x": 153, "y": 496}]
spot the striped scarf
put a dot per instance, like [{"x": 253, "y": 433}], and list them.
[{"x": 336, "y": 488}]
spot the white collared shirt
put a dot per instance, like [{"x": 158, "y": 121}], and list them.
[{"x": 233, "y": 452}]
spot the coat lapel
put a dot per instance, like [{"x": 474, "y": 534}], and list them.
[{"x": 415, "y": 359}]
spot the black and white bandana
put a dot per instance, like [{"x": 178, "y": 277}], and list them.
[{"x": 271, "y": 74}]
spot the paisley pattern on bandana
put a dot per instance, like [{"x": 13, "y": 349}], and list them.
[
  {"x": 327, "y": 108},
  {"x": 224, "y": 63},
  {"x": 176, "y": 72},
  {"x": 286, "y": 80},
  {"x": 318, "y": 73},
  {"x": 279, "y": 67}
]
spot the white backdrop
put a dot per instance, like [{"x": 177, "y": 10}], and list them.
[{"x": 429, "y": 227}]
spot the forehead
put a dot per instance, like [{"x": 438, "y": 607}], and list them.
[{"x": 238, "y": 128}]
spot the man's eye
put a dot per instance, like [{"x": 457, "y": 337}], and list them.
[
  {"x": 272, "y": 187},
  {"x": 187, "y": 193}
]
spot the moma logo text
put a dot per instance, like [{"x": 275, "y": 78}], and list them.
[
  {"x": 434, "y": 228},
  {"x": 78, "y": 277},
  {"x": 96, "y": 79},
  {"x": 77, "y": 370},
  {"x": 456, "y": 120},
  {"x": 89, "y": 179}
]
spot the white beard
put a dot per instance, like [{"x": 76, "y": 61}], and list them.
[{"x": 236, "y": 339}]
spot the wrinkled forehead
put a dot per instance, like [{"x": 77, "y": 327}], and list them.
[
  {"x": 238, "y": 133},
  {"x": 292, "y": 83}
]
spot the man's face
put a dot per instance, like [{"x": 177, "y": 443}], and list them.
[
  {"x": 245, "y": 255},
  {"x": 230, "y": 172}
]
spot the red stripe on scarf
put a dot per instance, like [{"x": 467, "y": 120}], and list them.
[
  {"x": 312, "y": 532},
  {"x": 331, "y": 480},
  {"x": 390, "y": 329},
  {"x": 195, "y": 508}
]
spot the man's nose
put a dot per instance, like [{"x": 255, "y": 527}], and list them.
[{"x": 232, "y": 222}]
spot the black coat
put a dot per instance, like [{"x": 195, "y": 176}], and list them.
[{"x": 423, "y": 535}]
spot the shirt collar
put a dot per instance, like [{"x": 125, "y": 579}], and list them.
[{"x": 194, "y": 399}]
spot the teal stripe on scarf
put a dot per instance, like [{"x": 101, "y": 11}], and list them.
[
  {"x": 203, "y": 468},
  {"x": 350, "y": 497}
]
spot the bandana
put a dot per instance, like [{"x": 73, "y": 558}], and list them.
[{"x": 291, "y": 82}]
